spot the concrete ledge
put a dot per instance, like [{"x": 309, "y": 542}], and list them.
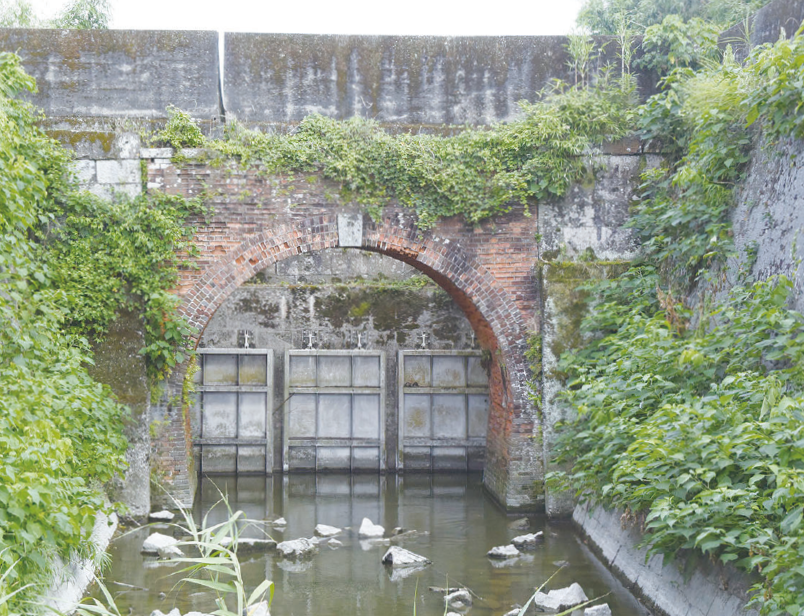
[
  {"x": 71, "y": 579},
  {"x": 711, "y": 590}
]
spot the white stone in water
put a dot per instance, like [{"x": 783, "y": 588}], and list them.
[
  {"x": 400, "y": 557},
  {"x": 161, "y": 516},
  {"x": 513, "y": 612},
  {"x": 174, "y": 612},
  {"x": 459, "y": 600},
  {"x": 152, "y": 544},
  {"x": 280, "y": 522},
  {"x": 369, "y": 529},
  {"x": 598, "y": 610},
  {"x": 322, "y": 530},
  {"x": 560, "y": 599},
  {"x": 334, "y": 543},
  {"x": 296, "y": 548},
  {"x": 527, "y": 542},
  {"x": 503, "y": 551},
  {"x": 169, "y": 552}
]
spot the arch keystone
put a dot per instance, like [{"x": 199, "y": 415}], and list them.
[{"x": 350, "y": 230}]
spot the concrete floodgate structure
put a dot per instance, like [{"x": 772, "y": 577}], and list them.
[{"x": 319, "y": 347}]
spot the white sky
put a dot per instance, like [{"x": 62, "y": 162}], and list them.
[{"x": 446, "y": 17}]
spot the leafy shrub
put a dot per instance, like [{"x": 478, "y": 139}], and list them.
[
  {"x": 181, "y": 131},
  {"x": 60, "y": 432},
  {"x": 700, "y": 430}
]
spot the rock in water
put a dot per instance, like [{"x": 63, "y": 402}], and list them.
[
  {"x": 527, "y": 542},
  {"x": 174, "y": 612},
  {"x": 368, "y": 529},
  {"x": 152, "y": 544},
  {"x": 334, "y": 544},
  {"x": 598, "y": 610},
  {"x": 560, "y": 599},
  {"x": 503, "y": 551},
  {"x": 161, "y": 516},
  {"x": 459, "y": 600},
  {"x": 519, "y": 524},
  {"x": 400, "y": 557},
  {"x": 322, "y": 530},
  {"x": 513, "y": 612},
  {"x": 169, "y": 552},
  {"x": 296, "y": 548}
]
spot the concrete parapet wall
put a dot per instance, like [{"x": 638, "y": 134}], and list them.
[
  {"x": 119, "y": 73},
  {"x": 407, "y": 80}
]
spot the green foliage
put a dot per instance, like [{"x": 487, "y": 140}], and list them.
[
  {"x": 60, "y": 432},
  {"x": 77, "y": 14},
  {"x": 779, "y": 98},
  {"x": 181, "y": 131},
  {"x": 17, "y": 14},
  {"x": 701, "y": 430},
  {"x": 603, "y": 16},
  {"x": 113, "y": 256},
  {"x": 676, "y": 44},
  {"x": 476, "y": 173},
  {"x": 84, "y": 15}
]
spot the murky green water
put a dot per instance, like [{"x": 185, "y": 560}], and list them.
[{"x": 461, "y": 525}]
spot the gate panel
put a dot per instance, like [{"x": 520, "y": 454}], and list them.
[
  {"x": 231, "y": 424},
  {"x": 444, "y": 409},
  {"x": 334, "y": 416}
]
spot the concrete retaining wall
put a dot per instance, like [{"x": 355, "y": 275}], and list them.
[
  {"x": 119, "y": 73},
  {"x": 710, "y": 590}
]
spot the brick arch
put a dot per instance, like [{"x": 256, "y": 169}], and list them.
[{"x": 513, "y": 461}]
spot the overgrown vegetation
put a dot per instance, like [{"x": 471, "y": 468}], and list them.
[
  {"x": 696, "y": 431},
  {"x": 606, "y": 16},
  {"x": 475, "y": 173},
  {"x": 60, "y": 432},
  {"x": 68, "y": 263}
]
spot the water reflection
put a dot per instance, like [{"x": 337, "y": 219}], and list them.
[{"x": 457, "y": 525}]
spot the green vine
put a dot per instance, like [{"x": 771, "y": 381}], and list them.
[{"x": 475, "y": 173}]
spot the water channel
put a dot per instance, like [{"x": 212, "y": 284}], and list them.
[{"x": 457, "y": 523}]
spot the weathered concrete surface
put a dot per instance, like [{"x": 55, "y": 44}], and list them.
[
  {"x": 119, "y": 365},
  {"x": 405, "y": 80},
  {"x": 779, "y": 18},
  {"x": 119, "y": 73},
  {"x": 711, "y": 590},
  {"x": 564, "y": 306},
  {"x": 582, "y": 239},
  {"x": 592, "y": 214},
  {"x": 769, "y": 218}
]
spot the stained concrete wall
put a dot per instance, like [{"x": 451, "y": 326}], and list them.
[
  {"x": 709, "y": 589},
  {"x": 119, "y": 364},
  {"x": 768, "y": 221},
  {"x": 404, "y": 80},
  {"x": 582, "y": 238},
  {"x": 119, "y": 73},
  {"x": 274, "y": 79},
  {"x": 338, "y": 294}
]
